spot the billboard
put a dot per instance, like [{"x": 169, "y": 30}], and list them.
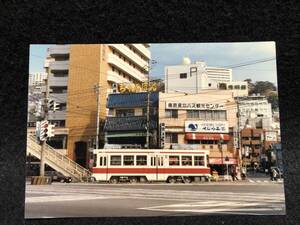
[{"x": 207, "y": 126}]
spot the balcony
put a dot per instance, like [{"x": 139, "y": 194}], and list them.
[
  {"x": 142, "y": 49},
  {"x": 57, "y": 81},
  {"x": 59, "y": 50},
  {"x": 117, "y": 62},
  {"x": 59, "y": 97},
  {"x": 130, "y": 54},
  {"x": 115, "y": 77},
  {"x": 57, "y": 115},
  {"x": 59, "y": 66}
]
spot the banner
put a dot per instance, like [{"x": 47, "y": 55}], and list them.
[{"x": 207, "y": 126}]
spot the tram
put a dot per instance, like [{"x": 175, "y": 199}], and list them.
[{"x": 149, "y": 165}]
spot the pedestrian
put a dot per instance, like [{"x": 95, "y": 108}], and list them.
[
  {"x": 243, "y": 173},
  {"x": 274, "y": 174},
  {"x": 233, "y": 173}
]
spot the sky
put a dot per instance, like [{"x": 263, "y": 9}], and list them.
[{"x": 214, "y": 54}]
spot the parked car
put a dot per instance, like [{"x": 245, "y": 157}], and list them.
[{"x": 57, "y": 176}]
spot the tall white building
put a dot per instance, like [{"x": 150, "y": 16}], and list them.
[
  {"x": 196, "y": 77},
  {"x": 36, "y": 79},
  {"x": 219, "y": 74}
]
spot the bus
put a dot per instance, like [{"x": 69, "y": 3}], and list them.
[{"x": 149, "y": 165}]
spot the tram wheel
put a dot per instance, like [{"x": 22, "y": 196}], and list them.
[
  {"x": 133, "y": 180},
  {"x": 172, "y": 180},
  {"x": 114, "y": 180},
  {"x": 143, "y": 179},
  {"x": 187, "y": 180}
]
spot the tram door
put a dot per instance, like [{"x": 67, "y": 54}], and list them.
[{"x": 103, "y": 163}]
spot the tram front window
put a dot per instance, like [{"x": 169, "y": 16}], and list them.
[{"x": 173, "y": 160}]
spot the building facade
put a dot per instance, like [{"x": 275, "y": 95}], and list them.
[
  {"x": 254, "y": 111},
  {"x": 203, "y": 121},
  {"x": 197, "y": 77},
  {"x": 126, "y": 122},
  {"x": 78, "y": 75}
]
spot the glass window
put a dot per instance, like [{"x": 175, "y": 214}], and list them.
[
  {"x": 171, "y": 138},
  {"x": 183, "y": 75},
  {"x": 173, "y": 160},
  {"x": 115, "y": 160},
  {"x": 171, "y": 113},
  {"x": 243, "y": 87},
  {"x": 153, "y": 161},
  {"x": 124, "y": 112},
  {"x": 192, "y": 114},
  {"x": 230, "y": 87},
  {"x": 199, "y": 161},
  {"x": 128, "y": 160},
  {"x": 236, "y": 86},
  {"x": 141, "y": 160},
  {"x": 186, "y": 160}
]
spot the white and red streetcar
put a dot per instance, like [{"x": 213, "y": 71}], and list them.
[{"x": 147, "y": 165}]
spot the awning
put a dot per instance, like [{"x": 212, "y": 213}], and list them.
[{"x": 215, "y": 137}]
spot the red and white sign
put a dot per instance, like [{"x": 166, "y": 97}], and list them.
[
  {"x": 214, "y": 137},
  {"x": 207, "y": 126}
]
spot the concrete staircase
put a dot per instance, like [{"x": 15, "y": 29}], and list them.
[{"x": 57, "y": 161}]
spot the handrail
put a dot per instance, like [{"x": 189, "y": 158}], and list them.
[{"x": 59, "y": 159}]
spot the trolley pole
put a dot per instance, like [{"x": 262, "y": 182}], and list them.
[{"x": 97, "y": 87}]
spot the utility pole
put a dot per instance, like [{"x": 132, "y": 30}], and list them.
[
  {"x": 239, "y": 134},
  {"x": 148, "y": 105},
  {"x": 42, "y": 161},
  {"x": 148, "y": 112},
  {"x": 97, "y": 87}
]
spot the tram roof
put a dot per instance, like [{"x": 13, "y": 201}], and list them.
[{"x": 150, "y": 151}]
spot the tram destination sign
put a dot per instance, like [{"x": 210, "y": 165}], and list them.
[{"x": 194, "y": 105}]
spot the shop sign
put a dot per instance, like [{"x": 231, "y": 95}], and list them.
[
  {"x": 132, "y": 88},
  {"x": 199, "y": 106},
  {"x": 207, "y": 126}
]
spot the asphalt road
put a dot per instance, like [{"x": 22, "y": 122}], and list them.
[{"x": 255, "y": 197}]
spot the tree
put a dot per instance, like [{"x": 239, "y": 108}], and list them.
[
  {"x": 263, "y": 87},
  {"x": 250, "y": 85},
  {"x": 273, "y": 99}
]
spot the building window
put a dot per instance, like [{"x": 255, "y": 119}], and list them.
[
  {"x": 115, "y": 160},
  {"x": 243, "y": 87},
  {"x": 212, "y": 115},
  {"x": 172, "y": 138},
  {"x": 186, "y": 160},
  {"x": 236, "y": 87},
  {"x": 173, "y": 160},
  {"x": 192, "y": 114},
  {"x": 124, "y": 112},
  {"x": 209, "y": 85},
  {"x": 141, "y": 160},
  {"x": 183, "y": 75},
  {"x": 128, "y": 160},
  {"x": 171, "y": 113},
  {"x": 222, "y": 86},
  {"x": 230, "y": 87}
]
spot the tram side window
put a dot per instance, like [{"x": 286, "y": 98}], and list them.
[
  {"x": 115, "y": 160},
  {"x": 186, "y": 160},
  {"x": 199, "y": 161},
  {"x": 102, "y": 161},
  {"x": 141, "y": 160},
  {"x": 152, "y": 161},
  {"x": 128, "y": 160},
  {"x": 173, "y": 160}
]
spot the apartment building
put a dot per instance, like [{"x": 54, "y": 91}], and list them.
[
  {"x": 77, "y": 74},
  {"x": 37, "y": 78},
  {"x": 205, "y": 121},
  {"x": 219, "y": 74}
]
